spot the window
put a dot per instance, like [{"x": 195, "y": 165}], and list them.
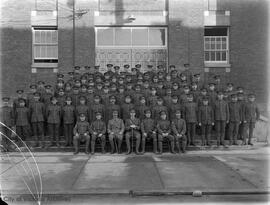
[
  {"x": 141, "y": 37},
  {"x": 45, "y": 45},
  {"x": 216, "y": 45}
]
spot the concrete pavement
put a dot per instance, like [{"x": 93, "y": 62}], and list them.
[{"x": 211, "y": 171}]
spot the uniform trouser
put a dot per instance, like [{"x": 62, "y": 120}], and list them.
[
  {"x": 153, "y": 136},
  {"x": 191, "y": 127},
  {"x": 160, "y": 140},
  {"x": 248, "y": 131},
  {"x": 118, "y": 137},
  {"x": 22, "y": 131},
  {"x": 68, "y": 132},
  {"x": 53, "y": 129},
  {"x": 81, "y": 138},
  {"x": 241, "y": 131},
  {"x": 181, "y": 143},
  {"x": 93, "y": 142},
  {"x": 220, "y": 129},
  {"x": 206, "y": 133},
  {"x": 233, "y": 131},
  {"x": 137, "y": 136},
  {"x": 38, "y": 132}
]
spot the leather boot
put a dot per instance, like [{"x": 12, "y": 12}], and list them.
[
  {"x": 128, "y": 145},
  {"x": 112, "y": 146},
  {"x": 76, "y": 146},
  {"x": 87, "y": 146},
  {"x": 143, "y": 145},
  {"x": 103, "y": 146},
  {"x": 93, "y": 142},
  {"x": 178, "y": 145},
  {"x": 172, "y": 147},
  {"x": 138, "y": 142},
  {"x": 160, "y": 147},
  {"x": 119, "y": 144},
  {"x": 155, "y": 146}
]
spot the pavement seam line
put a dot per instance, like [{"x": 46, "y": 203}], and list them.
[
  {"x": 86, "y": 161},
  {"x": 235, "y": 172},
  {"x": 159, "y": 176},
  {"x": 12, "y": 166}
]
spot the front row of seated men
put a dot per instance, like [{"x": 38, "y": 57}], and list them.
[{"x": 141, "y": 131}]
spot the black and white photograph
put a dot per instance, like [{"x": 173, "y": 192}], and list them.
[{"x": 134, "y": 102}]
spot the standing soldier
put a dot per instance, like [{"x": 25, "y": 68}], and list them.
[
  {"x": 201, "y": 96},
  {"x": 197, "y": 80},
  {"x": 158, "y": 108},
  {"x": 40, "y": 87},
  {"x": 121, "y": 95},
  {"x": 132, "y": 127},
  {"x": 195, "y": 91},
  {"x": 187, "y": 72},
  {"x": 137, "y": 95},
  {"x": 168, "y": 98},
  {"x": 235, "y": 113},
  {"x": 160, "y": 89},
  {"x": 16, "y": 100},
  {"x": 154, "y": 81},
  {"x": 129, "y": 90},
  {"x": 126, "y": 107},
  {"x": 82, "y": 108},
  {"x": 218, "y": 83},
  {"x": 251, "y": 116},
  {"x": 242, "y": 102},
  {"x": 212, "y": 93},
  {"x": 174, "y": 107},
  {"x": 110, "y": 108},
  {"x": 53, "y": 116},
  {"x": 22, "y": 118},
  {"x": 109, "y": 71},
  {"x": 221, "y": 116},
  {"x": 37, "y": 113},
  {"x": 98, "y": 130},
  {"x": 96, "y": 107},
  {"x": 184, "y": 96},
  {"x": 90, "y": 95},
  {"x": 148, "y": 128},
  {"x": 30, "y": 95},
  {"x": 105, "y": 96},
  {"x": 179, "y": 131},
  {"x": 68, "y": 115},
  {"x": 206, "y": 121},
  {"x": 81, "y": 134},
  {"x": 190, "y": 114},
  {"x": 168, "y": 81},
  {"x": 116, "y": 130},
  {"x": 152, "y": 98},
  {"x": 61, "y": 97},
  {"x": 146, "y": 89},
  {"x": 175, "y": 89},
  {"x": 7, "y": 118},
  {"x": 71, "y": 78},
  {"x": 164, "y": 131},
  {"x": 46, "y": 96},
  {"x": 68, "y": 89},
  {"x": 141, "y": 107}
]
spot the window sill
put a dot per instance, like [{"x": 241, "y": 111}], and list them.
[
  {"x": 217, "y": 65},
  {"x": 44, "y": 65}
]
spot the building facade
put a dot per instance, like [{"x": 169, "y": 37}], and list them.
[{"x": 40, "y": 38}]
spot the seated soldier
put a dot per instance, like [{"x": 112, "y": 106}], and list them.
[
  {"x": 132, "y": 126},
  {"x": 81, "y": 134},
  {"x": 116, "y": 129},
  {"x": 164, "y": 131},
  {"x": 98, "y": 130},
  {"x": 148, "y": 128},
  {"x": 179, "y": 131}
]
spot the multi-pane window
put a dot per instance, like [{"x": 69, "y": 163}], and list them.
[
  {"x": 131, "y": 37},
  {"x": 45, "y": 45},
  {"x": 216, "y": 42}
]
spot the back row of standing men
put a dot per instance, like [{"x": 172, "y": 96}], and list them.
[{"x": 199, "y": 104}]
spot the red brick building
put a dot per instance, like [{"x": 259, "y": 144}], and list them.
[{"x": 43, "y": 37}]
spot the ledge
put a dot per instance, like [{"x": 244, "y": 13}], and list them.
[
  {"x": 217, "y": 65},
  {"x": 44, "y": 65}
]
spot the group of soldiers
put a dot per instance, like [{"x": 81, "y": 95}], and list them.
[{"x": 154, "y": 107}]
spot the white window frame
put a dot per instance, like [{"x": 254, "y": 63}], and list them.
[
  {"x": 130, "y": 46},
  {"x": 217, "y": 50},
  {"x": 45, "y": 44}
]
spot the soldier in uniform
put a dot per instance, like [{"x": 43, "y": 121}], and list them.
[
  {"x": 168, "y": 81},
  {"x": 90, "y": 95},
  {"x": 206, "y": 120},
  {"x": 126, "y": 107},
  {"x": 137, "y": 95},
  {"x": 164, "y": 131},
  {"x": 61, "y": 97},
  {"x": 141, "y": 107},
  {"x": 183, "y": 96},
  {"x": 187, "y": 72},
  {"x": 235, "y": 116},
  {"x": 121, "y": 94},
  {"x": 37, "y": 113},
  {"x": 152, "y": 98},
  {"x": 212, "y": 93},
  {"x": 16, "y": 100},
  {"x": 154, "y": 82},
  {"x": 116, "y": 129},
  {"x": 221, "y": 116},
  {"x": 174, "y": 75},
  {"x": 132, "y": 127},
  {"x": 110, "y": 108},
  {"x": 68, "y": 89},
  {"x": 203, "y": 94},
  {"x": 190, "y": 110},
  {"x": 160, "y": 89},
  {"x": 179, "y": 131},
  {"x": 40, "y": 87},
  {"x": 149, "y": 131},
  {"x": 158, "y": 108},
  {"x": 82, "y": 108},
  {"x": 146, "y": 89},
  {"x": 197, "y": 80},
  {"x": 81, "y": 134},
  {"x": 68, "y": 117},
  {"x": 109, "y": 71},
  {"x": 176, "y": 90},
  {"x": 53, "y": 116},
  {"x": 98, "y": 130},
  {"x": 242, "y": 102},
  {"x": 129, "y": 90},
  {"x": 195, "y": 91},
  {"x": 218, "y": 83},
  {"x": 168, "y": 98},
  {"x": 96, "y": 107},
  {"x": 7, "y": 118},
  {"x": 251, "y": 116},
  {"x": 22, "y": 119},
  {"x": 30, "y": 95},
  {"x": 174, "y": 107}
]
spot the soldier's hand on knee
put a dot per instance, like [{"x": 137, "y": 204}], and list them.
[{"x": 144, "y": 134}]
